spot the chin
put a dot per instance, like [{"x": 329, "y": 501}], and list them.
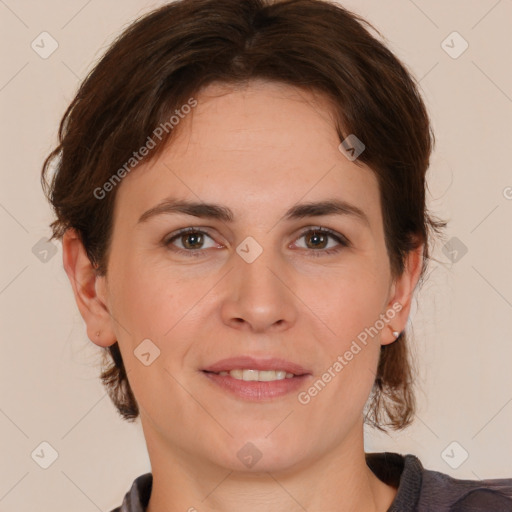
[{"x": 258, "y": 454}]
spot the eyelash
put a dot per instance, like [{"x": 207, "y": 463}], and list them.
[{"x": 342, "y": 240}]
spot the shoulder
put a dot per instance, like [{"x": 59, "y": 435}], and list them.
[
  {"x": 458, "y": 495},
  {"x": 137, "y": 498},
  {"x": 425, "y": 490}
]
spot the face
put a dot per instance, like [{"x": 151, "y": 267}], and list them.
[{"x": 259, "y": 281}]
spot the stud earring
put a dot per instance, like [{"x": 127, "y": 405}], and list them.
[{"x": 396, "y": 334}]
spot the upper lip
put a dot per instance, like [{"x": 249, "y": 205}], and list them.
[{"x": 247, "y": 362}]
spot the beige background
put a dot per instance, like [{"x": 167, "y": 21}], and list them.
[{"x": 48, "y": 369}]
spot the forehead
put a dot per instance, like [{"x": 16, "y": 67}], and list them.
[
  {"x": 257, "y": 118},
  {"x": 260, "y": 147}
]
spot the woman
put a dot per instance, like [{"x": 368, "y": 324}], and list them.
[{"x": 240, "y": 193}]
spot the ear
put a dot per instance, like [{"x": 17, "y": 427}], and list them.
[
  {"x": 401, "y": 295},
  {"x": 89, "y": 289}
]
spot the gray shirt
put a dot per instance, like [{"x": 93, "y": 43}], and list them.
[{"x": 419, "y": 489}]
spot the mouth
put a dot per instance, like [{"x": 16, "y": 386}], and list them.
[
  {"x": 250, "y": 374},
  {"x": 251, "y": 368},
  {"x": 257, "y": 379}
]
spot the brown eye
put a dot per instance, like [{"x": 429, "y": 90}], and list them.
[
  {"x": 318, "y": 239},
  {"x": 189, "y": 240},
  {"x": 192, "y": 240}
]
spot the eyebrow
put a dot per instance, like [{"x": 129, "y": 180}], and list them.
[{"x": 222, "y": 213}]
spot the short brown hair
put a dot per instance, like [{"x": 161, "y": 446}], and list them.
[{"x": 170, "y": 54}]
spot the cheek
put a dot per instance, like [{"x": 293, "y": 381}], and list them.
[
  {"x": 348, "y": 303},
  {"x": 351, "y": 348},
  {"x": 149, "y": 300},
  {"x": 148, "y": 305},
  {"x": 351, "y": 309}
]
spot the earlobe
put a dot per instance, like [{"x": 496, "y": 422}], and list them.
[
  {"x": 85, "y": 282},
  {"x": 401, "y": 295}
]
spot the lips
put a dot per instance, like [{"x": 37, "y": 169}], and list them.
[{"x": 247, "y": 362}]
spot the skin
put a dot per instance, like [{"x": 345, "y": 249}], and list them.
[{"x": 257, "y": 150}]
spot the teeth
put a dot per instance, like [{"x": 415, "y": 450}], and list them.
[{"x": 262, "y": 376}]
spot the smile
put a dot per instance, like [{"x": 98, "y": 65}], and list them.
[
  {"x": 257, "y": 385},
  {"x": 258, "y": 375}
]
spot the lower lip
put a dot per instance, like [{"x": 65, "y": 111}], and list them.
[{"x": 255, "y": 390}]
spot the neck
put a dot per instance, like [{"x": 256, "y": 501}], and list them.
[{"x": 338, "y": 480}]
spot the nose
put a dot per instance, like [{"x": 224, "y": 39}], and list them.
[{"x": 259, "y": 295}]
